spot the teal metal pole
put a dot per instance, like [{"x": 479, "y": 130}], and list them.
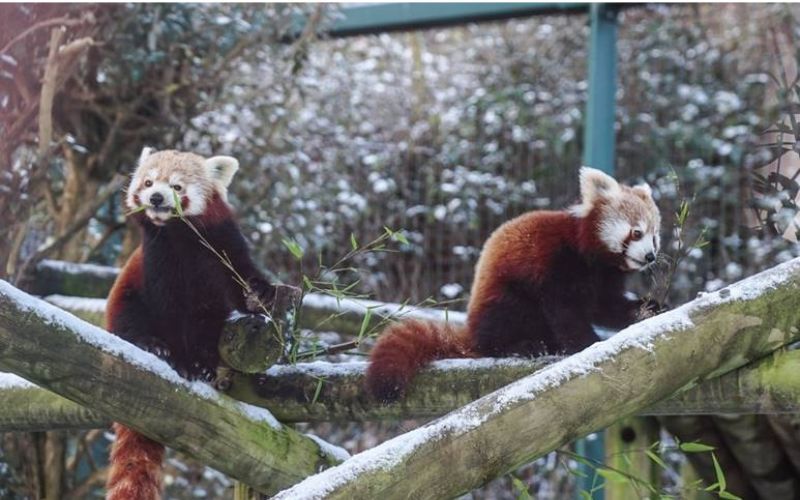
[
  {"x": 598, "y": 132},
  {"x": 598, "y": 152}
]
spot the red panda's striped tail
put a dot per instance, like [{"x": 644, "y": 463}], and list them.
[
  {"x": 405, "y": 347},
  {"x": 135, "y": 471}
]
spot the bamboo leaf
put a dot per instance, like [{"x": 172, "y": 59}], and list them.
[
  {"x": 720, "y": 475},
  {"x": 655, "y": 458},
  {"x": 294, "y": 248},
  {"x": 695, "y": 447},
  {"x": 613, "y": 476}
]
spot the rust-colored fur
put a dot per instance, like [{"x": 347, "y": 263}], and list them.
[
  {"x": 410, "y": 345},
  {"x": 542, "y": 280},
  {"x": 174, "y": 295},
  {"x": 135, "y": 471}
]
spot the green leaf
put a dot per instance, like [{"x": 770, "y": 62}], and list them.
[
  {"x": 294, "y": 248},
  {"x": 585, "y": 495},
  {"x": 719, "y": 473},
  {"x": 613, "y": 476},
  {"x": 400, "y": 237},
  {"x": 364, "y": 323},
  {"x": 695, "y": 447},
  {"x": 655, "y": 458},
  {"x": 353, "y": 242},
  {"x": 320, "y": 381},
  {"x": 177, "y": 201},
  {"x": 728, "y": 495},
  {"x": 521, "y": 488}
]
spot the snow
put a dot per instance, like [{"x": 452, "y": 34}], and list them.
[
  {"x": 114, "y": 345},
  {"x": 75, "y": 268},
  {"x": 11, "y": 381},
  {"x": 325, "y": 369},
  {"x": 384, "y": 309},
  {"x": 77, "y": 303},
  {"x": 332, "y": 450},
  {"x": 638, "y": 336}
]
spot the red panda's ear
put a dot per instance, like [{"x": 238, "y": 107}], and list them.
[
  {"x": 146, "y": 151},
  {"x": 222, "y": 169},
  {"x": 643, "y": 191},
  {"x": 596, "y": 185}
]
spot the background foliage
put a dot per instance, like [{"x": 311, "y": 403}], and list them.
[{"x": 444, "y": 133}]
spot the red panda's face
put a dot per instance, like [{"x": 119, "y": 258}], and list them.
[
  {"x": 167, "y": 184},
  {"x": 628, "y": 220}
]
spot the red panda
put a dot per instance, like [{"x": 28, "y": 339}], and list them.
[
  {"x": 542, "y": 280},
  {"x": 173, "y": 295}
]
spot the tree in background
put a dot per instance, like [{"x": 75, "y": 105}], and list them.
[{"x": 82, "y": 89}]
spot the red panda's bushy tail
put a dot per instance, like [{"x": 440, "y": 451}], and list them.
[
  {"x": 135, "y": 471},
  {"x": 405, "y": 347}
]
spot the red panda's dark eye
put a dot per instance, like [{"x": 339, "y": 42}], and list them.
[
  {"x": 177, "y": 187},
  {"x": 637, "y": 234},
  {"x": 148, "y": 183}
]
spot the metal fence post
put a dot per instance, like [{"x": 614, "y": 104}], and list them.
[{"x": 598, "y": 152}]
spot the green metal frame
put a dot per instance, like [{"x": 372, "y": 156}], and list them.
[
  {"x": 380, "y": 18},
  {"x": 599, "y": 130}
]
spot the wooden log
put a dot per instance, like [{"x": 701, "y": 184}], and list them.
[
  {"x": 643, "y": 364},
  {"x": 93, "y": 368},
  {"x": 332, "y": 392}
]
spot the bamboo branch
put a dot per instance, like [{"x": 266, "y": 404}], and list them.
[
  {"x": 636, "y": 368},
  {"x": 91, "y": 367}
]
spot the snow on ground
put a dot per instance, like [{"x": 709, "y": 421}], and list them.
[{"x": 638, "y": 336}]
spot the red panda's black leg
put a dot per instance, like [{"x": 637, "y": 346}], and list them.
[
  {"x": 130, "y": 319},
  {"x": 616, "y": 312},
  {"x": 569, "y": 324}
]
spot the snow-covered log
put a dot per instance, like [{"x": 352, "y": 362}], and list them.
[
  {"x": 89, "y": 366},
  {"x": 81, "y": 288},
  {"x": 636, "y": 368},
  {"x": 295, "y": 393}
]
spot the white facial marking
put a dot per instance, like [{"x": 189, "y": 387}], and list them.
[{"x": 613, "y": 232}]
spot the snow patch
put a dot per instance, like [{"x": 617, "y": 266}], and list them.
[
  {"x": 106, "y": 272},
  {"x": 384, "y": 309},
  {"x": 77, "y": 303},
  {"x": 11, "y": 381},
  {"x": 332, "y": 450}
]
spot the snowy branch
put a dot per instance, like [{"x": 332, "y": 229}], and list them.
[
  {"x": 633, "y": 370},
  {"x": 93, "y": 368}
]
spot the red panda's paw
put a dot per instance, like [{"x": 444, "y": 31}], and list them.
[
  {"x": 154, "y": 345},
  {"x": 649, "y": 308}
]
